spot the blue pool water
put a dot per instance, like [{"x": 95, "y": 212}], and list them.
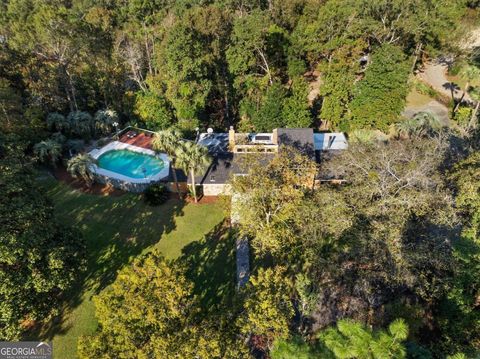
[{"x": 131, "y": 164}]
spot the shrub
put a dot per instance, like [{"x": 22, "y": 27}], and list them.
[
  {"x": 456, "y": 68},
  {"x": 80, "y": 123},
  {"x": 424, "y": 89},
  {"x": 104, "y": 120},
  {"x": 57, "y": 121},
  {"x": 462, "y": 117},
  {"x": 75, "y": 145},
  {"x": 103, "y": 141},
  {"x": 59, "y": 138},
  {"x": 156, "y": 194}
]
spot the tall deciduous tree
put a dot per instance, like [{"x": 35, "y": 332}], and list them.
[
  {"x": 323, "y": 29},
  {"x": 459, "y": 318},
  {"x": 401, "y": 203},
  {"x": 39, "y": 258},
  {"x": 338, "y": 79},
  {"x": 248, "y": 53},
  {"x": 185, "y": 64},
  {"x": 154, "y": 110},
  {"x": 267, "y": 115},
  {"x": 151, "y": 311},
  {"x": 380, "y": 97},
  {"x": 268, "y": 197},
  {"x": 50, "y": 32},
  {"x": 10, "y": 107},
  {"x": 296, "y": 111},
  {"x": 268, "y": 308}
]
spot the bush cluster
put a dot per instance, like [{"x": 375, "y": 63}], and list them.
[{"x": 156, "y": 194}]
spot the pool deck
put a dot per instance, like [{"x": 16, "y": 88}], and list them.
[
  {"x": 117, "y": 145},
  {"x": 140, "y": 140}
]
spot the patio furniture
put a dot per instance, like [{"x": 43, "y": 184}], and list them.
[{"x": 131, "y": 134}]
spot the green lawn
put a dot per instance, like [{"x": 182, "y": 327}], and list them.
[
  {"x": 117, "y": 229},
  {"x": 416, "y": 99},
  {"x": 462, "y": 81}
]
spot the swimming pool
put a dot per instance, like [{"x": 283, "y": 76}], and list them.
[{"x": 131, "y": 164}]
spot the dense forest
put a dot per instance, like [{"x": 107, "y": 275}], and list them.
[
  {"x": 249, "y": 63},
  {"x": 386, "y": 265}
]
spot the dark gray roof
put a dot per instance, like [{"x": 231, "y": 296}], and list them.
[
  {"x": 215, "y": 142},
  {"x": 299, "y": 138},
  {"x": 181, "y": 176},
  {"x": 225, "y": 165}
]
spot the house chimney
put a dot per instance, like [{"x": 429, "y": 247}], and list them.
[
  {"x": 231, "y": 138},
  {"x": 275, "y": 136}
]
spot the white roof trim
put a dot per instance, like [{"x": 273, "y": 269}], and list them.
[{"x": 330, "y": 141}]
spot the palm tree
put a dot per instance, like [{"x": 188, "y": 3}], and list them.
[
  {"x": 58, "y": 122},
  {"x": 475, "y": 95},
  {"x": 48, "y": 150},
  {"x": 422, "y": 124},
  {"x": 169, "y": 141},
  {"x": 407, "y": 127},
  {"x": 104, "y": 120},
  {"x": 429, "y": 121},
  {"x": 193, "y": 158},
  {"x": 81, "y": 123},
  {"x": 470, "y": 73},
  {"x": 82, "y": 166}
]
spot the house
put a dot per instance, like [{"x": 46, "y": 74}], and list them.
[{"x": 230, "y": 150}]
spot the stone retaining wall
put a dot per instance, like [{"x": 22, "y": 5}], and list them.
[
  {"x": 122, "y": 185},
  {"x": 138, "y": 187},
  {"x": 216, "y": 189}
]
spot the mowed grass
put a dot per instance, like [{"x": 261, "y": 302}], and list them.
[
  {"x": 416, "y": 99},
  {"x": 461, "y": 81},
  {"x": 117, "y": 229}
]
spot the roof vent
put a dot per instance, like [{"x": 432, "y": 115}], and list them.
[
  {"x": 331, "y": 139},
  {"x": 265, "y": 138}
]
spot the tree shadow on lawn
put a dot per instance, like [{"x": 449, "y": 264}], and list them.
[
  {"x": 135, "y": 232},
  {"x": 210, "y": 265},
  {"x": 116, "y": 230}
]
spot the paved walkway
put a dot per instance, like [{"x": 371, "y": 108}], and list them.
[
  {"x": 434, "y": 74},
  {"x": 242, "y": 246},
  {"x": 243, "y": 262}
]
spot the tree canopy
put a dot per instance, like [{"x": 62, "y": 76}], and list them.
[
  {"x": 222, "y": 62},
  {"x": 372, "y": 251},
  {"x": 40, "y": 259},
  {"x": 151, "y": 311}
]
